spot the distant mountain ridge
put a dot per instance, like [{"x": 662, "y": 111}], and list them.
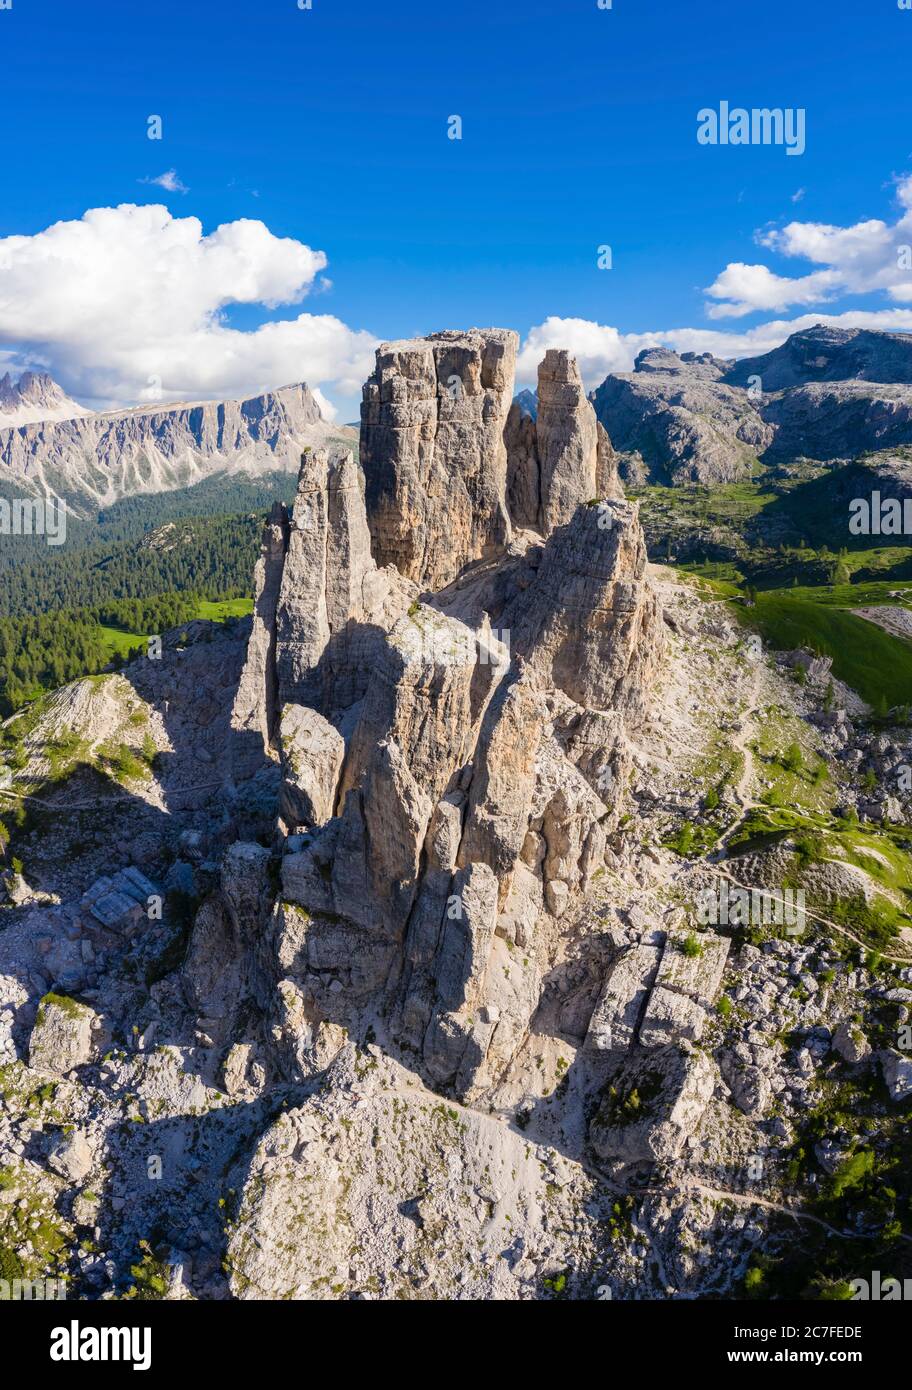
[
  {"x": 825, "y": 393},
  {"x": 829, "y": 354},
  {"x": 35, "y": 396},
  {"x": 93, "y": 460}
]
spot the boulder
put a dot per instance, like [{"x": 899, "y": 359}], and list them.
[
  {"x": 622, "y": 1001},
  {"x": 312, "y": 755},
  {"x": 750, "y": 1088},
  {"x": 850, "y": 1043},
  {"x": 64, "y": 1035},
  {"x": 698, "y": 976},
  {"x": 71, "y": 1156},
  {"x": 897, "y": 1074},
  {"x": 671, "y": 1017},
  {"x": 653, "y": 1104}
]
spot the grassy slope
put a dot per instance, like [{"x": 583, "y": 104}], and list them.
[
  {"x": 861, "y": 595},
  {"x": 872, "y": 662},
  {"x": 119, "y": 642},
  {"x": 808, "y": 789},
  {"x": 224, "y": 608}
]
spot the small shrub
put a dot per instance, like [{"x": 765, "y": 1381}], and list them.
[{"x": 794, "y": 758}]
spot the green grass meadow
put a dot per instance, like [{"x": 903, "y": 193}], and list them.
[
  {"x": 874, "y": 663},
  {"x": 122, "y": 643}
]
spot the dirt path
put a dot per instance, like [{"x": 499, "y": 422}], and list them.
[
  {"x": 742, "y": 788},
  {"x": 741, "y": 744},
  {"x": 744, "y": 1200},
  {"x": 814, "y": 916},
  {"x": 105, "y": 802}
]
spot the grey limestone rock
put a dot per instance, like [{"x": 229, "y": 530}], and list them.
[
  {"x": 653, "y": 1104},
  {"x": 64, "y": 1035},
  {"x": 567, "y": 440},
  {"x": 433, "y": 451}
]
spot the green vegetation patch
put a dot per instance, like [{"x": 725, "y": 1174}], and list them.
[
  {"x": 871, "y": 661},
  {"x": 71, "y": 1008},
  {"x": 150, "y": 1276},
  {"x": 626, "y": 1105},
  {"x": 800, "y": 778},
  {"x": 34, "y": 1238}
]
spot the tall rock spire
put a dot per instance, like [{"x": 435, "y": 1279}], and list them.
[{"x": 433, "y": 451}]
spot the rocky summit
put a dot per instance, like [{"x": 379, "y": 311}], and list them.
[
  {"x": 825, "y": 394},
  {"x": 364, "y": 947},
  {"x": 35, "y": 396},
  {"x": 447, "y": 721}
]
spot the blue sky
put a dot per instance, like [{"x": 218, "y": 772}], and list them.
[{"x": 330, "y": 127}]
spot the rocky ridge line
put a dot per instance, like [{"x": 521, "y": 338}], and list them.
[{"x": 94, "y": 459}]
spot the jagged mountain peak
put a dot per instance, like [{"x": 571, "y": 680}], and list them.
[
  {"x": 420, "y": 628},
  {"x": 454, "y": 990},
  {"x": 34, "y": 397},
  {"x": 824, "y": 393},
  {"x": 527, "y": 401}
]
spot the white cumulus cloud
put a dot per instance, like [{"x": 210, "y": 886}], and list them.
[
  {"x": 601, "y": 349},
  {"x": 597, "y": 347},
  {"x": 747, "y": 288},
  {"x": 129, "y": 304},
  {"x": 868, "y": 257}
]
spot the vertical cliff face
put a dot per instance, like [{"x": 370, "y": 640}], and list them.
[
  {"x": 256, "y": 702},
  {"x": 588, "y": 626},
  {"x": 321, "y": 604},
  {"x": 433, "y": 451},
  {"x": 453, "y": 755},
  {"x": 567, "y": 440}
]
